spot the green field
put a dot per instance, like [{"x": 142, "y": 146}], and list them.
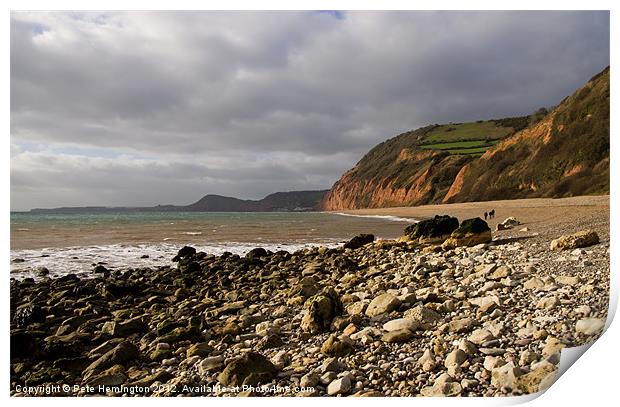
[
  {"x": 466, "y": 131},
  {"x": 477, "y": 150},
  {"x": 460, "y": 145}
]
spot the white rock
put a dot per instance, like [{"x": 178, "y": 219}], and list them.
[
  {"x": 339, "y": 386},
  {"x": 589, "y": 326},
  {"x": 401, "y": 323}
]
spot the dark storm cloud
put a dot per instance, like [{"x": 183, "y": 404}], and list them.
[{"x": 249, "y": 103}]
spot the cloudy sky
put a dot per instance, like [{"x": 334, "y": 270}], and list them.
[{"x": 144, "y": 108}]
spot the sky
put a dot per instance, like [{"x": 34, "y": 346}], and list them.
[{"x": 147, "y": 108}]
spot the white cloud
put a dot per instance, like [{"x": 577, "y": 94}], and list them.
[{"x": 307, "y": 92}]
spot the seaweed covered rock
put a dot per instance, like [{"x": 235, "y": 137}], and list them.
[
  {"x": 359, "y": 241},
  {"x": 434, "y": 230},
  {"x": 320, "y": 310},
  {"x": 250, "y": 369},
  {"x": 470, "y": 233}
]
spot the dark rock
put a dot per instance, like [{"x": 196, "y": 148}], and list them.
[
  {"x": 100, "y": 269},
  {"x": 123, "y": 352},
  {"x": 257, "y": 253},
  {"x": 28, "y": 314},
  {"x": 23, "y": 344},
  {"x": 359, "y": 241},
  {"x": 185, "y": 252},
  {"x": 471, "y": 226},
  {"x": 42, "y": 272},
  {"x": 250, "y": 369},
  {"x": 441, "y": 226}
]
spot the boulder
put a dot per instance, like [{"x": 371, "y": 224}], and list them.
[
  {"x": 382, "y": 304},
  {"x": 505, "y": 376},
  {"x": 359, "y": 241},
  {"x": 257, "y": 253},
  {"x": 580, "y": 239},
  {"x": 320, "y": 310},
  {"x": 250, "y": 369},
  {"x": 434, "y": 230},
  {"x": 471, "y": 232},
  {"x": 538, "y": 379}
]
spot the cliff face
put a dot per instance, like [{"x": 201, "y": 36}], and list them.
[
  {"x": 560, "y": 153},
  {"x": 566, "y": 154}
]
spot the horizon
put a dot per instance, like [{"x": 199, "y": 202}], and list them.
[{"x": 248, "y": 104}]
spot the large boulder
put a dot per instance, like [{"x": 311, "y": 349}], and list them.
[
  {"x": 320, "y": 310},
  {"x": 471, "y": 232},
  {"x": 508, "y": 223},
  {"x": 359, "y": 241},
  {"x": 250, "y": 369},
  {"x": 580, "y": 239},
  {"x": 434, "y": 230}
]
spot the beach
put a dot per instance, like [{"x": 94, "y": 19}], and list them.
[{"x": 369, "y": 318}]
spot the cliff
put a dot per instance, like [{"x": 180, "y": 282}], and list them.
[{"x": 560, "y": 153}]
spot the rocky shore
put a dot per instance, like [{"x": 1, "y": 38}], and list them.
[{"x": 450, "y": 309}]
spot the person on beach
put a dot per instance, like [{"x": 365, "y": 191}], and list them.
[
  {"x": 485, "y": 216},
  {"x": 492, "y": 214}
]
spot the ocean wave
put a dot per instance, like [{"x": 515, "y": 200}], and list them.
[
  {"x": 192, "y": 233},
  {"x": 81, "y": 260},
  {"x": 390, "y": 218}
]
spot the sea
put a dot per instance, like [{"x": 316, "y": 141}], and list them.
[{"x": 77, "y": 242}]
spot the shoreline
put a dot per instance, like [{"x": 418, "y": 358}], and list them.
[{"x": 383, "y": 319}]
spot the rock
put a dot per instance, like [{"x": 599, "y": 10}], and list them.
[
  {"x": 471, "y": 232},
  {"x": 123, "y": 352},
  {"x": 257, "y": 253},
  {"x": 589, "y": 326},
  {"x": 309, "y": 380},
  {"x": 202, "y": 349},
  {"x": 493, "y": 362},
  {"x": 505, "y": 376},
  {"x": 334, "y": 346},
  {"x": 270, "y": 341},
  {"x": 552, "y": 346},
  {"x": 533, "y": 283},
  {"x": 185, "y": 252},
  {"x": 401, "y": 323},
  {"x": 427, "y": 361},
  {"x": 400, "y": 335},
  {"x": 339, "y": 386},
  {"x": 443, "y": 386},
  {"x": 332, "y": 365},
  {"x": 568, "y": 280},
  {"x": 538, "y": 379},
  {"x": 211, "y": 364},
  {"x": 460, "y": 325},
  {"x": 359, "y": 241},
  {"x": 28, "y": 314},
  {"x": 424, "y": 316},
  {"x": 124, "y": 328},
  {"x": 480, "y": 336},
  {"x": 281, "y": 359},
  {"x": 434, "y": 230},
  {"x": 583, "y": 238},
  {"x": 250, "y": 369},
  {"x": 455, "y": 358},
  {"x": 508, "y": 223},
  {"x": 114, "y": 376},
  {"x": 382, "y": 304},
  {"x": 548, "y": 303},
  {"x": 320, "y": 310}
]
